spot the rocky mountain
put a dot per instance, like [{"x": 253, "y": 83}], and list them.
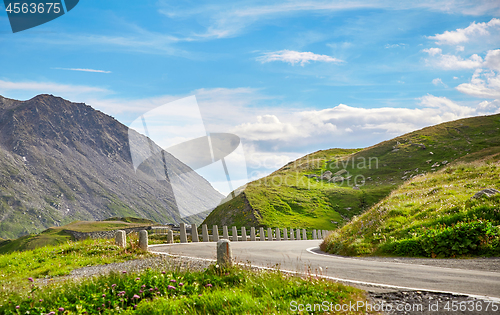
[{"x": 62, "y": 161}]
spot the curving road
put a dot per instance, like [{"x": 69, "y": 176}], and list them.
[{"x": 303, "y": 257}]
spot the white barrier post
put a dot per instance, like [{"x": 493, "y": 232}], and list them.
[
  {"x": 194, "y": 233},
  {"x": 224, "y": 253},
  {"x": 204, "y": 232},
  {"x": 143, "y": 240},
  {"x": 121, "y": 238},
  {"x": 285, "y": 234},
  {"x": 215, "y": 233},
  {"x": 243, "y": 234},
  {"x": 262, "y": 235},
  {"x": 183, "y": 233},
  {"x": 252, "y": 234},
  {"x": 235, "y": 234}
]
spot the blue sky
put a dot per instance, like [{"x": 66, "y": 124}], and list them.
[{"x": 288, "y": 77}]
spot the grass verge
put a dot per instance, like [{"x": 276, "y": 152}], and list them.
[{"x": 213, "y": 291}]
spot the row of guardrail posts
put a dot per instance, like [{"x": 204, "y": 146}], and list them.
[{"x": 276, "y": 235}]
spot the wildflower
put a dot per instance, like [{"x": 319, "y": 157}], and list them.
[
  {"x": 173, "y": 280},
  {"x": 143, "y": 286},
  {"x": 181, "y": 284},
  {"x": 135, "y": 306},
  {"x": 137, "y": 279},
  {"x": 136, "y": 296},
  {"x": 104, "y": 295},
  {"x": 41, "y": 300},
  {"x": 51, "y": 313},
  {"x": 163, "y": 272},
  {"x": 30, "y": 279},
  {"x": 61, "y": 309},
  {"x": 208, "y": 285},
  {"x": 113, "y": 285},
  {"x": 151, "y": 290},
  {"x": 171, "y": 287},
  {"x": 140, "y": 291},
  {"x": 17, "y": 307},
  {"x": 124, "y": 271}
]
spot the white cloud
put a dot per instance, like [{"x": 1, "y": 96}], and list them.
[
  {"x": 452, "y": 62},
  {"x": 433, "y": 51},
  {"x": 492, "y": 59},
  {"x": 48, "y": 87},
  {"x": 464, "y": 35},
  {"x": 395, "y": 45},
  {"x": 489, "y": 106},
  {"x": 294, "y": 57},
  {"x": 460, "y": 48},
  {"x": 438, "y": 81},
  {"x": 230, "y": 19},
  {"x": 84, "y": 70},
  {"x": 484, "y": 84}
]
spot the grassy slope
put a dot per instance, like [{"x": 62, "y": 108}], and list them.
[
  {"x": 429, "y": 204},
  {"x": 288, "y": 198},
  {"x": 51, "y": 261},
  {"x": 57, "y": 235}
]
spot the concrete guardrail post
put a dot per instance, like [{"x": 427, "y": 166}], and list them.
[
  {"x": 215, "y": 233},
  {"x": 304, "y": 234},
  {"x": 204, "y": 233},
  {"x": 143, "y": 240},
  {"x": 252, "y": 234},
  {"x": 121, "y": 238},
  {"x": 183, "y": 233},
  {"x": 243, "y": 234},
  {"x": 235, "y": 234},
  {"x": 278, "y": 234},
  {"x": 262, "y": 236},
  {"x": 170, "y": 237},
  {"x": 225, "y": 233},
  {"x": 291, "y": 234},
  {"x": 269, "y": 234},
  {"x": 298, "y": 234},
  {"x": 224, "y": 253},
  {"x": 285, "y": 234},
  {"x": 194, "y": 233},
  {"x": 319, "y": 234},
  {"x": 314, "y": 235}
]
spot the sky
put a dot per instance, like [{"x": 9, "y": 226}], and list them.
[{"x": 288, "y": 77}]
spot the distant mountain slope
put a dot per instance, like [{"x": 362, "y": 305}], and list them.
[
  {"x": 62, "y": 161},
  {"x": 300, "y": 194}
]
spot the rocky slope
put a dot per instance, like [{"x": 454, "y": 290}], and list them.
[{"x": 62, "y": 161}]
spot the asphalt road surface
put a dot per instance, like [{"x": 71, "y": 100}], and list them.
[{"x": 295, "y": 256}]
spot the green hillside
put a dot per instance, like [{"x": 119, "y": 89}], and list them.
[
  {"x": 57, "y": 235},
  {"x": 298, "y": 196},
  {"x": 432, "y": 216}
]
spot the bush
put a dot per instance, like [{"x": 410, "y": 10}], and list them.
[{"x": 464, "y": 238}]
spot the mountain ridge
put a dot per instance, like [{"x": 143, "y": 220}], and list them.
[{"x": 63, "y": 161}]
